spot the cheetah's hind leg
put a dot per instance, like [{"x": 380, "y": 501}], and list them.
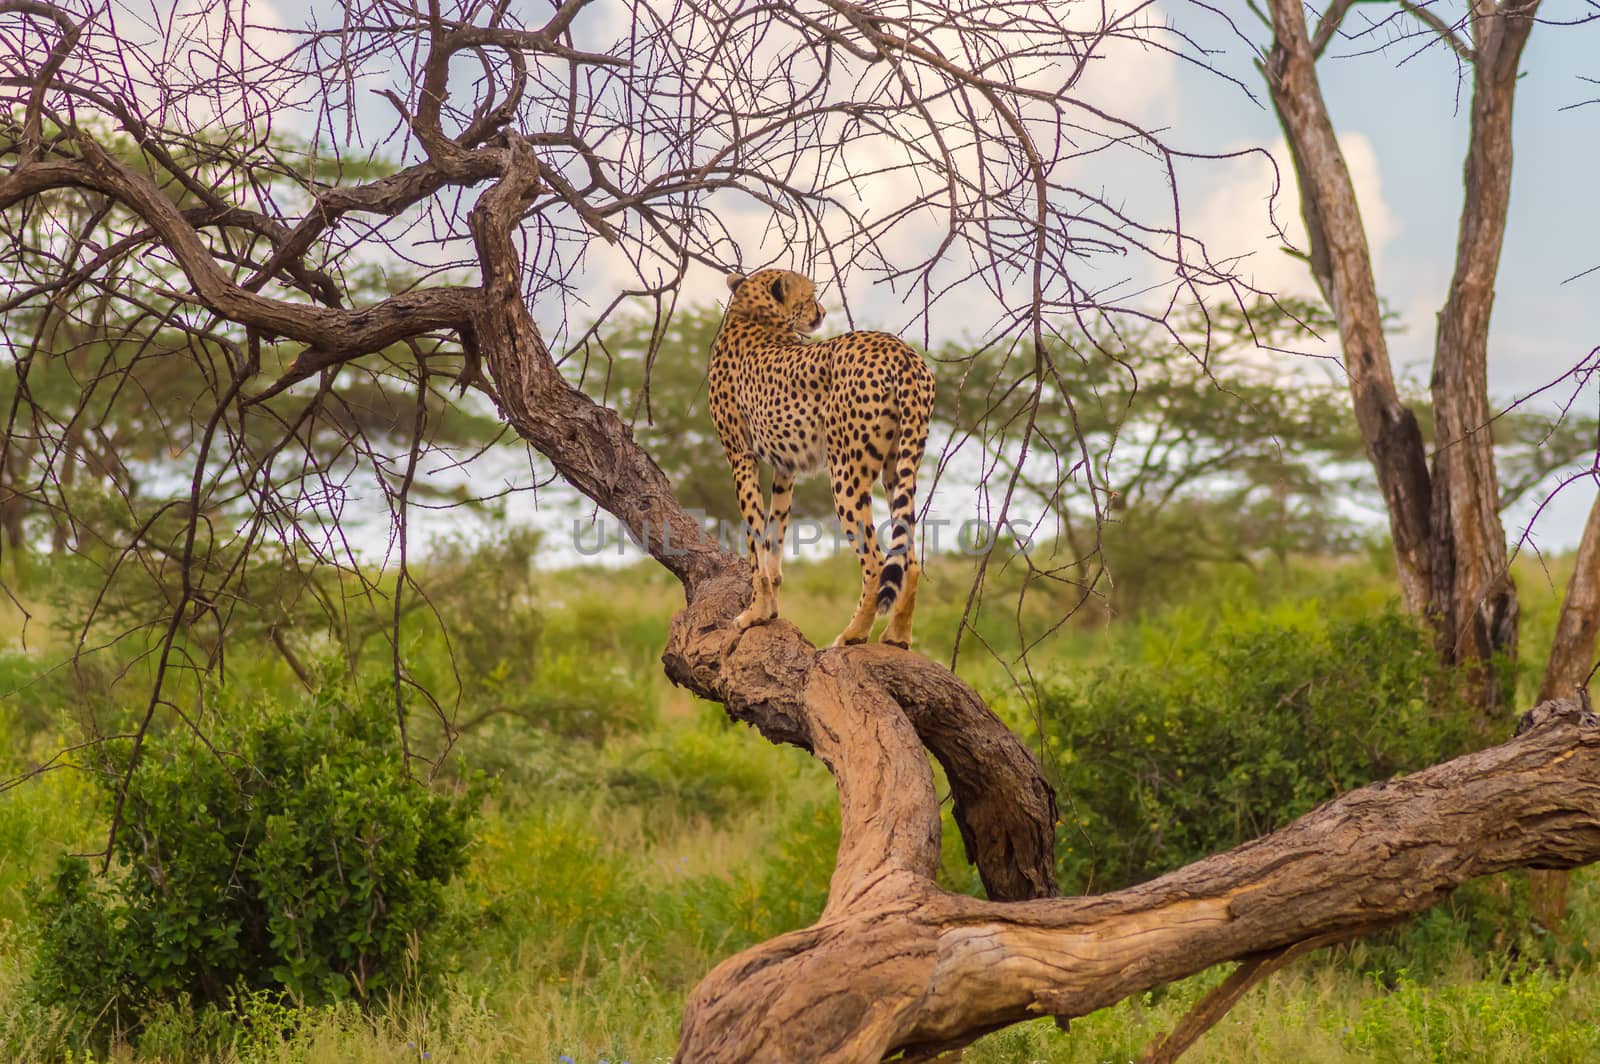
[
  {"x": 763, "y": 599},
  {"x": 900, "y": 481},
  {"x": 855, "y": 518}
]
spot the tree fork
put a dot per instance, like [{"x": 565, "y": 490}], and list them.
[{"x": 1448, "y": 538}]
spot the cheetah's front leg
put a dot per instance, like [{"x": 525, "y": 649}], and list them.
[
  {"x": 777, "y": 526},
  {"x": 763, "y": 598}
]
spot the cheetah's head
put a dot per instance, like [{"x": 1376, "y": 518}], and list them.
[{"x": 776, "y": 297}]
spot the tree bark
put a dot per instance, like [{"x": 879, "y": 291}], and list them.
[
  {"x": 899, "y": 964},
  {"x": 1342, "y": 265},
  {"x": 1002, "y": 804},
  {"x": 1449, "y": 543},
  {"x": 1473, "y": 595}
]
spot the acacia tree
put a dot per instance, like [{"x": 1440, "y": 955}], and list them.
[
  {"x": 568, "y": 142},
  {"x": 1444, "y": 516}
]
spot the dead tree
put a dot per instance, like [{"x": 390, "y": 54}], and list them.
[{"x": 566, "y": 144}]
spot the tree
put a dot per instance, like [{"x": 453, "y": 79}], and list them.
[
  {"x": 1449, "y": 543},
  {"x": 569, "y": 142}
]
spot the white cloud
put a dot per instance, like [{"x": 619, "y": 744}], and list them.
[
  {"x": 1239, "y": 218},
  {"x": 1126, "y": 74}
]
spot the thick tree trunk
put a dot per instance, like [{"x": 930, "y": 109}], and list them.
[
  {"x": 896, "y": 963},
  {"x": 1473, "y": 595}
]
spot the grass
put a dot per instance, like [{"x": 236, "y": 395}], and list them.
[
  {"x": 1321, "y": 1013},
  {"x": 618, "y": 861},
  {"x": 613, "y": 1009}
]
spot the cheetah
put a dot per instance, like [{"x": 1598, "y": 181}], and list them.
[{"x": 857, "y": 403}]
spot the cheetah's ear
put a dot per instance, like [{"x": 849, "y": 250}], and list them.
[
  {"x": 734, "y": 281},
  {"x": 780, "y": 289}
]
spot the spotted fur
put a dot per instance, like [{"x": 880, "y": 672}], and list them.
[{"x": 857, "y": 404}]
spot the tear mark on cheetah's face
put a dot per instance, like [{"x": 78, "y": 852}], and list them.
[{"x": 858, "y": 404}]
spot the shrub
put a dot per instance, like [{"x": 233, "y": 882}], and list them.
[
  {"x": 1230, "y": 731},
  {"x": 573, "y": 672},
  {"x": 698, "y": 772},
  {"x": 293, "y": 853}
]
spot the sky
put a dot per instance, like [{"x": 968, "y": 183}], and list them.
[
  {"x": 1403, "y": 113},
  {"x": 1402, "y": 117},
  {"x": 1400, "y": 108}
]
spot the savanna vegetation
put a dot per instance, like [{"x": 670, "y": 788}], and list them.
[
  {"x": 318, "y": 745},
  {"x": 603, "y": 838}
]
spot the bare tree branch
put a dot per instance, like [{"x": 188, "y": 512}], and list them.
[{"x": 1446, "y": 32}]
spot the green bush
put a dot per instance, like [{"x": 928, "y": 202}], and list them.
[
  {"x": 293, "y": 852},
  {"x": 698, "y": 772},
  {"x": 1227, "y": 731}
]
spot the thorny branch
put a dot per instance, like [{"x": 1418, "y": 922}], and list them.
[{"x": 207, "y": 231}]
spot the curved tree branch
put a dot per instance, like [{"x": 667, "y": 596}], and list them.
[
  {"x": 767, "y": 676},
  {"x": 907, "y": 966},
  {"x": 336, "y": 335},
  {"x": 33, "y": 116}
]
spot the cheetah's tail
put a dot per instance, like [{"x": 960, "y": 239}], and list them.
[
  {"x": 890, "y": 581},
  {"x": 915, "y": 395},
  {"x": 902, "y": 509}
]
